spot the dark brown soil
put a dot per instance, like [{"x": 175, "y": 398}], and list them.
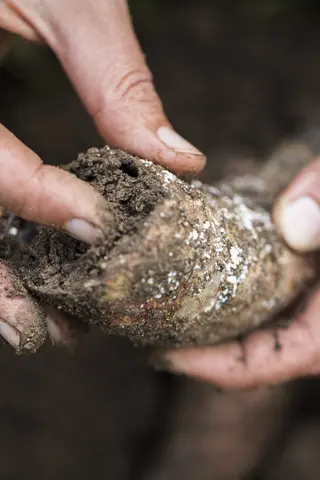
[{"x": 131, "y": 194}]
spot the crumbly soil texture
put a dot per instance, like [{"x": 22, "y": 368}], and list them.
[{"x": 51, "y": 261}]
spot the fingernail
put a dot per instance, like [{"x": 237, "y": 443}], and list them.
[
  {"x": 299, "y": 222},
  {"x": 53, "y": 330},
  {"x": 160, "y": 363},
  {"x": 10, "y": 334},
  {"x": 173, "y": 140},
  {"x": 63, "y": 329},
  {"x": 82, "y": 230}
]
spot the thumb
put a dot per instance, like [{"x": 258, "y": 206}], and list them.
[
  {"x": 96, "y": 44},
  {"x": 48, "y": 194},
  {"x": 297, "y": 213}
]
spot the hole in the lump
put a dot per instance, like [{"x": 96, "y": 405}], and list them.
[{"x": 130, "y": 169}]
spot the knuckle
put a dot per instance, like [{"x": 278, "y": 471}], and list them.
[
  {"x": 136, "y": 84},
  {"x": 125, "y": 97}
]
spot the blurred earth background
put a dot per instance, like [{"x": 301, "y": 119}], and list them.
[{"x": 235, "y": 78}]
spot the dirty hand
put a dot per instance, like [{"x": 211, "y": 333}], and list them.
[
  {"x": 96, "y": 45},
  {"x": 254, "y": 361}
]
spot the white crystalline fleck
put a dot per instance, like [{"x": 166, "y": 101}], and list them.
[
  {"x": 195, "y": 234},
  {"x": 196, "y": 184},
  {"x": 172, "y": 274},
  {"x": 122, "y": 260},
  {"x": 13, "y": 231},
  {"x": 243, "y": 273},
  {"x": 219, "y": 247},
  {"x": 251, "y": 217},
  {"x": 168, "y": 177},
  {"x": 210, "y": 305},
  {"x": 232, "y": 279},
  {"x": 235, "y": 254},
  {"x": 146, "y": 162},
  {"x": 268, "y": 248}
]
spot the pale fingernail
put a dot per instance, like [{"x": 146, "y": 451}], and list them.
[
  {"x": 82, "y": 230},
  {"x": 63, "y": 329},
  {"x": 54, "y": 330},
  {"x": 299, "y": 222},
  {"x": 173, "y": 140},
  {"x": 160, "y": 363},
  {"x": 10, "y": 334}
]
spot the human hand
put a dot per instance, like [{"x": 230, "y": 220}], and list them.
[
  {"x": 255, "y": 361},
  {"x": 96, "y": 45}
]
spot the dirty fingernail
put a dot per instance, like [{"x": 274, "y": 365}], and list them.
[
  {"x": 63, "y": 329},
  {"x": 82, "y": 230},
  {"x": 161, "y": 363},
  {"x": 299, "y": 222},
  {"x": 173, "y": 140},
  {"x": 54, "y": 331},
  {"x": 10, "y": 334}
]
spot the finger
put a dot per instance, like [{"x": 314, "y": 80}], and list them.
[
  {"x": 96, "y": 45},
  {"x": 264, "y": 357},
  {"x": 64, "y": 330},
  {"x": 11, "y": 20},
  {"x": 46, "y": 194},
  {"x": 22, "y": 322},
  {"x": 297, "y": 213}
]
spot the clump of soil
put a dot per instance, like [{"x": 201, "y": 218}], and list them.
[
  {"x": 54, "y": 262},
  {"x": 131, "y": 193}
]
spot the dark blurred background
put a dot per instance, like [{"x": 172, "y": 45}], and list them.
[{"x": 235, "y": 78}]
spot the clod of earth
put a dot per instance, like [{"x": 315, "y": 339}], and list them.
[{"x": 184, "y": 264}]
